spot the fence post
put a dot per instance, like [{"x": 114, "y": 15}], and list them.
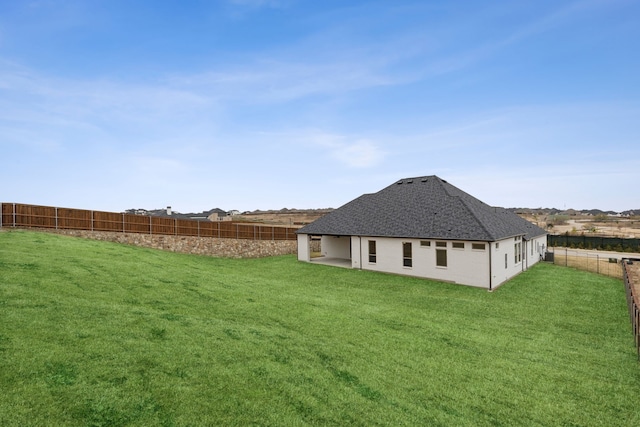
[
  {"x": 150, "y": 226},
  {"x": 175, "y": 226},
  {"x": 14, "y": 215},
  {"x": 237, "y": 231},
  {"x": 91, "y": 220},
  {"x": 566, "y": 256},
  {"x": 123, "y": 222}
]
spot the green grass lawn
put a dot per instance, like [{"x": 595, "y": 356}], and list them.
[{"x": 95, "y": 333}]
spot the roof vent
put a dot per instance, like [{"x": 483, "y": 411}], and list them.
[
  {"x": 424, "y": 180},
  {"x": 399, "y": 182},
  {"x": 410, "y": 181}
]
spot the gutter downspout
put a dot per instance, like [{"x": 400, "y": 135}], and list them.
[
  {"x": 360, "y": 238},
  {"x": 490, "y": 272}
]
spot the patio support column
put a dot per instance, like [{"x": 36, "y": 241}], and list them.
[{"x": 304, "y": 247}]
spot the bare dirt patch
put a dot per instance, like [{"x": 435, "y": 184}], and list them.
[
  {"x": 588, "y": 225},
  {"x": 285, "y": 217}
]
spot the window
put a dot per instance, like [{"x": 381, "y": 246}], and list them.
[
  {"x": 372, "y": 251},
  {"x": 506, "y": 261},
  {"x": 497, "y": 245},
  {"x": 425, "y": 243},
  {"x": 457, "y": 245},
  {"x": 531, "y": 249},
  {"x": 441, "y": 244},
  {"x": 406, "y": 254},
  {"x": 478, "y": 246},
  {"x": 441, "y": 257},
  {"x": 519, "y": 252}
]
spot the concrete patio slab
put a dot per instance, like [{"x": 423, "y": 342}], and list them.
[{"x": 335, "y": 262}]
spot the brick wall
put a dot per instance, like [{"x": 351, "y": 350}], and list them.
[{"x": 227, "y": 248}]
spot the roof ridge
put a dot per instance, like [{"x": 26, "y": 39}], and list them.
[
  {"x": 466, "y": 204},
  {"x": 473, "y": 213}
]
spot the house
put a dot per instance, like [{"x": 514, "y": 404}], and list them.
[
  {"x": 428, "y": 228},
  {"x": 217, "y": 214}
]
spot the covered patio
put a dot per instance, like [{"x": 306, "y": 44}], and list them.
[{"x": 335, "y": 262}]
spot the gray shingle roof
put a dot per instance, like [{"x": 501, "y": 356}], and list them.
[{"x": 423, "y": 208}]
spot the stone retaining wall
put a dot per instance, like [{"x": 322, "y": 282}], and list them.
[{"x": 227, "y": 248}]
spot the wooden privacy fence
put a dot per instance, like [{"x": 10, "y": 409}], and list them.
[
  {"x": 632, "y": 287},
  {"x": 21, "y": 215}
]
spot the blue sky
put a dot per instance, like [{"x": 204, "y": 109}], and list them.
[{"x": 266, "y": 104}]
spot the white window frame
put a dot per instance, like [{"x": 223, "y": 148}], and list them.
[
  {"x": 373, "y": 254},
  {"x": 446, "y": 258},
  {"x": 408, "y": 259}
]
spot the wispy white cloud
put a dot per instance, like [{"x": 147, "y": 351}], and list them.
[
  {"x": 312, "y": 66},
  {"x": 351, "y": 152},
  {"x": 156, "y": 169},
  {"x": 359, "y": 154},
  {"x": 65, "y": 111},
  {"x": 279, "y": 81},
  {"x": 455, "y": 57}
]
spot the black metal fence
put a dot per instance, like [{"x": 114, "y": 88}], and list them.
[
  {"x": 617, "y": 244},
  {"x": 607, "y": 264},
  {"x": 633, "y": 299}
]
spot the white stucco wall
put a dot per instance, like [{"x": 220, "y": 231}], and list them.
[
  {"x": 466, "y": 266},
  {"x": 357, "y": 252},
  {"x": 336, "y": 246},
  {"x": 500, "y": 273},
  {"x": 304, "y": 248},
  {"x": 535, "y": 251},
  {"x": 480, "y": 268},
  {"x": 503, "y": 264}
]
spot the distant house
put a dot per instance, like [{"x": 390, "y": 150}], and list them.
[
  {"x": 217, "y": 215},
  {"x": 428, "y": 228}
]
